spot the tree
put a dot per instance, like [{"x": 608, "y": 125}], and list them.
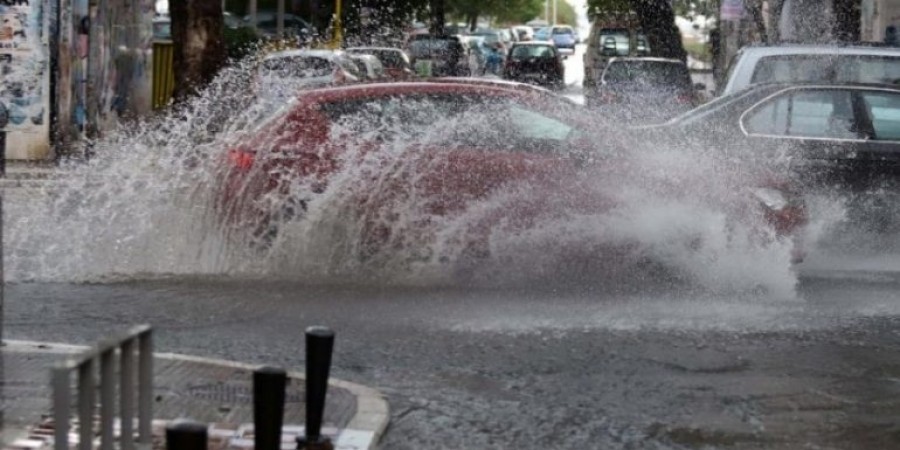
[
  {"x": 199, "y": 50},
  {"x": 565, "y": 13}
]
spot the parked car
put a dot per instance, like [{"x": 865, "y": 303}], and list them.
[
  {"x": 395, "y": 61},
  {"x": 523, "y": 33},
  {"x": 162, "y": 25},
  {"x": 500, "y": 136},
  {"x": 613, "y": 34},
  {"x": 369, "y": 66},
  {"x": 438, "y": 56},
  {"x": 643, "y": 89},
  {"x": 535, "y": 62},
  {"x": 832, "y": 138},
  {"x": 282, "y": 74},
  {"x": 294, "y": 26},
  {"x": 812, "y": 64},
  {"x": 564, "y": 37}
]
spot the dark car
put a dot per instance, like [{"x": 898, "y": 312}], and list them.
[
  {"x": 395, "y": 61},
  {"x": 438, "y": 56},
  {"x": 535, "y": 62},
  {"x": 832, "y": 139},
  {"x": 643, "y": 89}
]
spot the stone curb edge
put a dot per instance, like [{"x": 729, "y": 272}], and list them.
[{"x": 372, "y": 411}]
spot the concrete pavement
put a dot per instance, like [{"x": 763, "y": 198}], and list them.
[{"x": 211, "y": 391}]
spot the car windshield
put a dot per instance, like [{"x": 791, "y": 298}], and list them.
[
  {"x": 562, "y": 31},
  {"x": 827, "y": 68},
  {"x": 520, "y": 52},
  {"x": 656, "y": 73},
  {"x": 615, "y": 40},
  {"x": 394, "y": 59}
]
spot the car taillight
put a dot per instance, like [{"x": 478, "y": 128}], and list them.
[
  {"x": 684, "y": 99},
  {"x": 241, "y": 159}
]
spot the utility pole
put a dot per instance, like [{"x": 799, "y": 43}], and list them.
[
  {"x": 252, "y": 13},
  {"x": 279, "y": 20},
  {"x": 554, "y": 12}
]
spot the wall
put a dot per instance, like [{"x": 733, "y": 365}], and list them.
[
  {"x": 25, "y": 77},
  {"x": 98, "y": 53},
  {"x": 877, "y": 16}
]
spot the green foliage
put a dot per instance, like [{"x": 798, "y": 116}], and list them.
[
  {"x": 239, "y": 42},
  {"x": 565, "y": 13}
]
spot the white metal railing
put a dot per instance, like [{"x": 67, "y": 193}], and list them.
[{"x": 102, "y": 359}]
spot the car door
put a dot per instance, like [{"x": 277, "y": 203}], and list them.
[{"x": 817, "y": 131}]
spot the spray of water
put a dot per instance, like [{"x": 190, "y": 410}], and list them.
[{"x": 147, "y": 205}]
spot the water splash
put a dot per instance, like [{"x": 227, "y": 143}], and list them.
[{"x": 145, "y": 207}]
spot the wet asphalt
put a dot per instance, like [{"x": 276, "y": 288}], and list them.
[{"x": 542, "y": 368}]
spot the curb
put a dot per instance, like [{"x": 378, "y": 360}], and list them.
[{"x": 372, "y": 411}]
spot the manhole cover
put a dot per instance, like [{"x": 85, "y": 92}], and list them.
[{"x": 227, "y": 393}]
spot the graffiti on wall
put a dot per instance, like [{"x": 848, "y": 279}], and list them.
[{"x": 23, "y": 64}]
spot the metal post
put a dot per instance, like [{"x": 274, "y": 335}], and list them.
[
  {"x": 86, "y": 405},
  {"x": 554, "y": 12},
  {"x": 62, "y": 407},
  {"x": 319, "y": 346},
  {"x": 268, "y": 407},
  {"x": 186, "y": 435},
  {"x": 279, "y": 21},
  {"x": 126, "y": 394},
  {"x": 107, "y": 398},
  {"x": 251, "y": 9},
  {"x": 145, "y": 388}
]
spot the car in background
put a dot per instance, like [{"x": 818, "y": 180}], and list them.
[
  {"x": 841, "y": 139},
  {"x": 523, "y": 33},
  {"x": 294, "y": 26},
  {"x": 564, "y": 37},
  {"x": 394, "y": 60},
  {"x": 438, "y": 56},
  {"x": 643, "y": 89},
  {"x": 369, "y": 66},
  {"x": 282, "y": 74},
  {"x": 819, "y": 63},
  {"x": 613, "y": 34},
  {"x": 535, "y": 63}
]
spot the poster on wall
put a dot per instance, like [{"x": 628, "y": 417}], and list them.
[{"x": 24, "y": 78}]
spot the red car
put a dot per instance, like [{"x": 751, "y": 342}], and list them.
[{"x": 412, "y": 154}]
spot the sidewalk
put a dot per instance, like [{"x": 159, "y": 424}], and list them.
[{"x": 210, "y": 391}]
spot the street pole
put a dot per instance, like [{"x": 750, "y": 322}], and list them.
[
  {"x": 547, "y": 11},
  {"x": 4, "y": 119},
  {"x": 554, "y": 12},
  {"x": 280, "y": 20},
  {"x": 337, "y": 34},
  {"x": 252, "y": 13}
]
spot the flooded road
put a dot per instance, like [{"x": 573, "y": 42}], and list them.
[
  {"x": 532, "y": 368},
  {"x": 705, "y": 337}
]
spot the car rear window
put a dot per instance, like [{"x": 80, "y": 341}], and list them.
[
  {"x": 297, "y": 67},
  {"x": 520, "y": 52},
  {"x": 827, "y": 68},
  {"x": 657, "y": 73}
]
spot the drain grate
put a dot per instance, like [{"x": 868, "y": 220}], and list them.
[{"x": 230, "y": 393}]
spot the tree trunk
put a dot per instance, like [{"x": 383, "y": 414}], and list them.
[
  {"x": 848, "y": 18},
  {"x": 658, "y": 22},
  {"x": 437, "y": 17},
  {"x": 199, "y": 50},
  {"x": 755, "y": 8}
]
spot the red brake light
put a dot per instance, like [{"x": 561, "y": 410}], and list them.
[{"x": 241, "y": 159}]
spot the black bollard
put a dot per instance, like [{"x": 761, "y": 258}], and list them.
[
  {"x": 268, "y": 407},
  {"x": 319, "y": 345},
  {"x": 186, "y": 435}
]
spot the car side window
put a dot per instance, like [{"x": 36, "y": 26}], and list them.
[
  {"x": 805, "y": 114},
  {"x": 884, "y": 111}
]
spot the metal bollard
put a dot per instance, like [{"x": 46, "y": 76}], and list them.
[
  {"x": 268, "y": 407},
  {"x": 319, "y": 346},
  {"x": 186, "y": 435}
]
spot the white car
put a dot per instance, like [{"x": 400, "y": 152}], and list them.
[
  {"x": 812, "y": 64},
  {"x": 283, "y": 73},
  {"x": 369, "y": 65}
]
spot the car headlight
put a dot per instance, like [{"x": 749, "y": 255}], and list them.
[{"x": 772, "y": 199}]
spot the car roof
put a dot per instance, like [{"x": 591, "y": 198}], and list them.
[
  {"x": 327, "y": 54},
  {"x": 534, "y": 43},
  {"x": 820, "y": 49},
  {"x": 826, "y": 85},
  {"x": 374, "y": 49},
  {"x": 647, "y": 59},
  {"x": 357, "y": 91}
]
